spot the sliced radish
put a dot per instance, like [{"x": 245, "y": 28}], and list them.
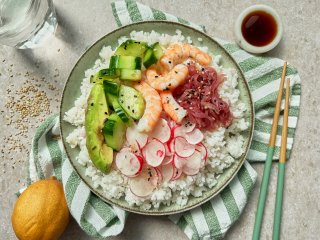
[
  {"x": 179, "y": 162},
  {"x": 176, "y": 173},
  {"x": 162, "y": 131},
  {"x": 128, "y": 163},
  {"x": 144, "y": 184},
  {"x": 190, "y": 171},
  {"x": 167, "y": 172},
  {"x": 168, "y": 150},
  {"x": 193, "y": 164},
  {"x": 194, "y": 137},
  {"x": 167, "y": 160},
  {"x": 159, "y": 174},
  {"x": 125, "y": 149},
  {"x": 154, "y": 152},
  {"x": 203, "y": 151},
  {"x": 179, "y": 132},
  {"x": 183, "y": 148},
  {"x": 187, "y": 126},
  {"x": 134, "y": 136},
  {"x": 171, "y": 146}
]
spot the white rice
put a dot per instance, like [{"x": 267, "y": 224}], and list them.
[{"x": 224, "y": 145}]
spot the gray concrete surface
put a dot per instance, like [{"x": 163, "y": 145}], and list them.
[{"x": 81, "y": 23}]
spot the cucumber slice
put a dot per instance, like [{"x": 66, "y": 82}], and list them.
[
  {"x": 149, "y": 58},
  {"x": 153, "y": 54},
  {"x": 157, "y": 50},
  {"x": 131, "y": 101},
  {"x": 111, "y": 87},
  {"x": 129, "y": 74},
  {"x": 132, "y": 48},
  {"x": 108, "y": 127},
  {"x": 104, "y": 74},
  {"x": 114, "y": 132},
  {"x": 127, "y": 62},
  {"x": 113, "y": 100}
]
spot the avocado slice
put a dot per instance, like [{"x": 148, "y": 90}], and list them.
[{"x": 97, "y": 111}]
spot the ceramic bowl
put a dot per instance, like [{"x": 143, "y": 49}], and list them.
[{"x": 72, "y": 91}]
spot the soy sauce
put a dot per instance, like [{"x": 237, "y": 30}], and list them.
[{"x": 259, "y": 28}]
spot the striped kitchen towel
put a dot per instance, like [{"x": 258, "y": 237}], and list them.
[
  {"x": 99, "y": 219},
  {"x": 212, "y": 219}
]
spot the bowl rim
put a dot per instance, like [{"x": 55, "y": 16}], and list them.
[
  {"x": 244, "y": 43},
  {"x": 204, "y": 200}
]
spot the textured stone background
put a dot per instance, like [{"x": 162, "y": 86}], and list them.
[{"x": 81, "y": 23}]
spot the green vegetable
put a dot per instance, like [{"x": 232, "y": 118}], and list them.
[
  {"x": 113, "y": 100},
  {"x": 114, "y": 132},
  {"x": 125, "y": 62},
  {"x": 97, "y": 111},
  {"x": 132, "y": 48},
  {"x": 131, "y": 101},
  {"x": 111, "y": 87},
  {"x": 153, "y": 54},
  {"x": 105, "y": 74},
  {"x": 129, "y": 74}
]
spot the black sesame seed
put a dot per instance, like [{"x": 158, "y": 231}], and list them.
[
  {"x": 176, "y": 72},
  {"x": 100, "y": 77},
  {"x": 169, "y": 62},
  {"x": 91, "y": 104},
  {"x": 129, "y": 107},
  {"x": 156, "y": 76},
  {"x": 105, "y": 113},
  {"x": 177, "y": 109},
  {"x": 169, "y": 84},
  {"x": 135, "y": 96}
]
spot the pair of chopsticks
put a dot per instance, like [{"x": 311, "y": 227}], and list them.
[{"x": 267, "y": 167}]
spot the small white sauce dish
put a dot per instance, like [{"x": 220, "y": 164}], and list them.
[{"x": 243, "y": 43}]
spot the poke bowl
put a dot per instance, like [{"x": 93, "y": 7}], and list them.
[{"x": 156, "y": 118}]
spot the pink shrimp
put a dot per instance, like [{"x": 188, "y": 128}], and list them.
[
  {"x": 153, "y": 107},
  {"x": 171, "y": 107},
  {"x": 170, "y": 81},
  {"x": 177, "y": 53}
]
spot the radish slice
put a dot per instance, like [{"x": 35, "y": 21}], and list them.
[
  {"x": 167, "y": 172},
  {"x": 159, "y": 174},
  {"x": 183, "y": 148},
  {"x": 194, "y": 137},
  {"x": 176, "y": 174},
  {"x": 144, "y": 184},
  {"x": 187, "y": 126},
  {"x": 128, "y": 163},
  {"x": 135, "y": 137},
  {"x": 179, "y": 162},
  {"x": 167, "y": 160},
  {"x": 168, "y": 150},
  {"x": 162, "y": 131},
  {"x": 171, "y": 146},
  {"x": 154, "y": 152},
  {"x": 203, "y": 151},
  {"x": 190, "y": 171},
  {"x": 193, "y": 164},
  {"x": 179, "y": 132}
]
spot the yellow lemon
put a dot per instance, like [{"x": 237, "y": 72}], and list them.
[{"x": 41, "y": 212}]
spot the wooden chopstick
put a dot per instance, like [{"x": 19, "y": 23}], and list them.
[
  {"x": 268, "y": 164},
  {"x": 281, "y": 169}
]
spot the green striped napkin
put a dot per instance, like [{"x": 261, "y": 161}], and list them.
[{"x": 212, "y": 219}]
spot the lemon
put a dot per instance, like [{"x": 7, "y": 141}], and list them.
[{"x": 41, "y": 212}]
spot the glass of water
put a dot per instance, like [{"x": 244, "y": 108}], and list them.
[{"x": 26, "y": 23}]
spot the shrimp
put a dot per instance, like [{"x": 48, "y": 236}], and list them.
[
  {"x": 171, "y": 107},
  {"x": 177, "y": 53},
  {"x": 170, "y": 81},
  {"x": 153, "y": 107}
]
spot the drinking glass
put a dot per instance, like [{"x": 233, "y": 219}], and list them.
[{"x": 26, "y": 23}]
